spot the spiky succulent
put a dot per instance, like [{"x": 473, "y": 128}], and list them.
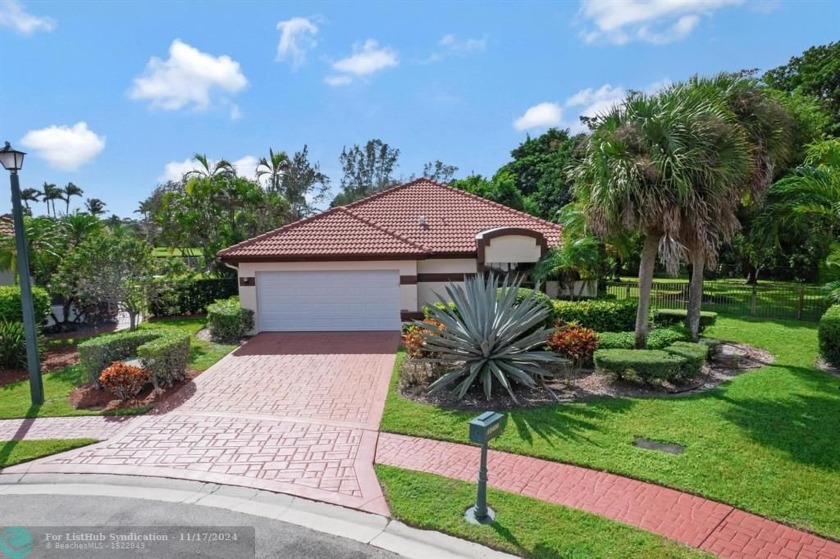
[{"x": 489, "y": 338}]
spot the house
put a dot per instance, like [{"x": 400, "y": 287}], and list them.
[
  {"x": 7, "y": 229},
  {"x": 375, "y": 262}
]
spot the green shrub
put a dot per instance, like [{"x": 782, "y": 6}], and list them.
[
  {"x": 695, "y": 355},
  {"x": 441, "y": 306},
  {"x": 541, "y": 298},
  {"x": 677, "y": 316},
  {"x": 829, "y": 335},
  {"x": 13, "y": 345},
  {"x": 644, "y": 365},
  {"x": 617, "y": 340},
  {"x": 166, "y": 357},
  {"x": 190, "y": 295},
  {"x": 713, "y": 344},
  {"x": 660, "y": 338},
  {"x": 97, "y": 353},
  {"x": 10, "y": 307},
  {"x": 228, "y": 321},
  {"x": 600, "y": 315}
]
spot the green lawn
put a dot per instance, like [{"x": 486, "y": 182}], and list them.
[
  {"x": 523, "y": 526},
  {"x": 15, "y": 452},
  {"x": 14, "y": 398},
  {"x": 767, "y": 441}
]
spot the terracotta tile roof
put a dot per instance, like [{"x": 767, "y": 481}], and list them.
[
  {"x": 388, "y": 224},
  {"x": 7, "y": 228}
]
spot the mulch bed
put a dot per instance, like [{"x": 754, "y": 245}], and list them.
[
  {"x": 732, "y": 360},
  {"x": 88, "y": 398}
]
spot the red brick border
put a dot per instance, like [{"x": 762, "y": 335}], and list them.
[{"x": 714, "y": 527}]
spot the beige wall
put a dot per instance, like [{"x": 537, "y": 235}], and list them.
[
  {"x": 248, "y": 295},
  {"x": 447, "y": 266},
  {"x": 512, "y": 248},
  {"x": 426, "y": 292}
]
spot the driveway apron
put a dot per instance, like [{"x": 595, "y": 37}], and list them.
[{"x": 295, "y": 413}]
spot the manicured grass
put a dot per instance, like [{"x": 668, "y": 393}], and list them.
[
  {"x": 15, "y": 452},
  {"x": 14, "y": 398},
  {"x": 523, "y": 526},
  {"x": 766, "y": 441}
]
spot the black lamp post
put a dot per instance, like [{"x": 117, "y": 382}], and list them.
[{"x": 12, "y": 161}]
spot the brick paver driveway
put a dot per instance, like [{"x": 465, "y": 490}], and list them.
[{"x": 291, "y": 412}]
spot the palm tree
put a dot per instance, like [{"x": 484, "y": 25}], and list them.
[
  {"x": 30, "y": 195},
  {"x": 51, "y": 194},
  {"x": 209, "y": 168},
  {"x": 741, "y": 169},
  {"x": 95, "y": 206},
  {"x": 640, "y": 170},
  {"x": 80, "y": 226},
  {"x": 69, "y": 191},
  {"x": 275, "y": 167}
]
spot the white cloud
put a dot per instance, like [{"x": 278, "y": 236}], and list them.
[
  {"x": 297, "y": 36},
  {"x": 544, "y": 115},
  {"x": 367, "y": 59},
  {"x": 188, "y": 77},
  {"x": 450, "y": 45},
  {"x": 65, "y": 147},
  {"x": 592, "y": 102},
  {"x": 653, "y": 21},
  {"x": 338, "y": 81},
  {"x": 235, "y": 112},
  {"x": 175, "y": 170},
  {"x": 14, "y": 15}
]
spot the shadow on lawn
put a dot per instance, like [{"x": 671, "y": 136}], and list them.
[
  {"x": 804, "y": 425},
  {"x": 564, "y": 421}
]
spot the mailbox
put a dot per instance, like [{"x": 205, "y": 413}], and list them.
[{"x": 485, "y": 427}]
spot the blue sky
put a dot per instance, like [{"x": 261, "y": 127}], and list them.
[{"x": 115, "y": 96}]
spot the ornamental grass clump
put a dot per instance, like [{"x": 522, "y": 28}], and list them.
[{"x": 489, "y": 339}]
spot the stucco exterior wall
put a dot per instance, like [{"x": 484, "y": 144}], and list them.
[
  {"x": 426, "y": 291},
  {"x": 512, "y": 248},
  {"x": 447, "y": 266}
]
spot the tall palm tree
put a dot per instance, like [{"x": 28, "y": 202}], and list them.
[
  {"x": 210, "y": 168},
  {"x": 51, "y": 194},
  {"x": 30, "y": 195},
  {"x": 275, "y": 167},
  {"x": 640, "y": 171},
  {"x": 95, "y": 206},
  {"x": 68, "y": 192}
]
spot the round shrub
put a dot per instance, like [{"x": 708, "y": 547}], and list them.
[
  {"x": 228, "y": 321},
  {"x": 829, "y": 335},
  {"x": 523, "y": 292},
  {"x": 598, "y": 314},
  {"x": 166, "y": 357},
  {"x": 575, "y": 343},
  {"x": 645, "y": 365},
  {"x": 124, "y": 381},
  {"x": 10, "y": 304},
  {"x": 448, "y": 307}
]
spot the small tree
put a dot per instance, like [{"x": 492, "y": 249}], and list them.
[{"x": 117, "y": 271}]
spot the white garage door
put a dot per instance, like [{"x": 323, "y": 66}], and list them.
[{"x": 328, "y": 301}]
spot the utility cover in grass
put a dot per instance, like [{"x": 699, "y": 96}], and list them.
[{"x": 671, "y": 448}]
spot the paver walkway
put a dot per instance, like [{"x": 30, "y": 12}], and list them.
[
  {"x": 90, "y": 427},
  {"x": 295, "y": 413},
  {"x": 714, "y": 527}
]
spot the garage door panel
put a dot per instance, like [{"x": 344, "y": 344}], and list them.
[{"x": 329, "y": 300}]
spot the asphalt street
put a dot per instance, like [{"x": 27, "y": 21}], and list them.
[{"x": 125, "y": 527}]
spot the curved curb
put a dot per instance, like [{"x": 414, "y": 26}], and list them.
[{"x": 371, "y": 529}]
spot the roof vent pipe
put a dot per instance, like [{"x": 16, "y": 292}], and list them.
[{"x": 422, "y": 220}]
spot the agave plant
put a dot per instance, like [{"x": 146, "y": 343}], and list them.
[{"x": 489, "y": 338}]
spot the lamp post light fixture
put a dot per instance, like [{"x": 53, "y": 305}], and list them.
[
  {"x": 483, "y": 429},
  {"x": 12, "y": 161}
]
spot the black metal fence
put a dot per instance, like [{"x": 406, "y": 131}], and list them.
[{"x": 768, "y": 299}]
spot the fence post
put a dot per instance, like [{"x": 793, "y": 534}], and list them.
[
  {"x": 801, "y": 302},
  {"x": 753, "y": 299},
  {"x": 627, "y": 293}
]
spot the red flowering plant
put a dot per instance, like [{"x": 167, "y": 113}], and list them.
[{"x": 574, "y": 342}]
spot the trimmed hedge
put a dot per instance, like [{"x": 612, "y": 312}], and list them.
[
  {"x": 166, "y": 357},
  {"x": 598, "y": 314},
  {"x": 98, "y": 353},
  {"x": 829, "y": 335},
  {"x": 677, "y": 316},
  {"x": 541, "y": 298},
  {"x": 646, "y": 365},
  {"x": 660, "y": 338},
  {"x": 617, "y": 340},
  {"x": 228, "y": 321},
  {"x": 695, "y": 355},
  {"x": 12, "y": 311},
  {"x": 191, "y": 295},
  {"x": 164, "y": 353},
  {"x": 450, "y": 306}
]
